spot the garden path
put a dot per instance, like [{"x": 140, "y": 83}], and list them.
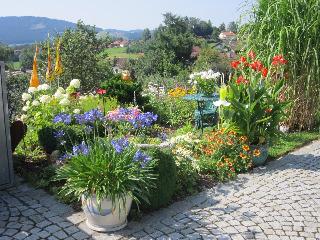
[{"x": 279, "y": 201}]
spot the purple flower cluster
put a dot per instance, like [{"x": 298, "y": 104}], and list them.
[
  {"x": 59, "y": 134},
  {"x": 62, "y": 118},
  {"x": 89, "y": 117},
  {"x": 134, "y": 116},
  {"x": 141, "y": 157},
  {"x": 120, "y": 145},
  {"x": 81, "y": 149}
]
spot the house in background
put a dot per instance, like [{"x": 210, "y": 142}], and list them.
[
  {"x": 119, "y": 43},
  {"x": 228, "y": 36}
]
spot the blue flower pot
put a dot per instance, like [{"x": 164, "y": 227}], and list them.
[{"x": 260, "y": 160}]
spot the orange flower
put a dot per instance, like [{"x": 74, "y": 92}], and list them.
[
  {"x": 256, "y": 152},
  {"x": 243, "y": 156},
  {"x": 243, "y": 138},
  {"x": 268, "y": 110},
  {"x": 246, "y": 148}
]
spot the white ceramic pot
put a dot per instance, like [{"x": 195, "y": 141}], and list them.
[{"x": 101, "y": 217}]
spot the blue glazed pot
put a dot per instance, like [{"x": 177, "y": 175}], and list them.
[{"x": 260, "y": 160}]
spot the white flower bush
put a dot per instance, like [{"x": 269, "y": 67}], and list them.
[
  {"x": 35, "y": 103},
  {"x": 64, "y": 102},
  {"x": 43, "y": 87},
  {"x": 26, "y": 97},
  {"x": 75, "y": 83},
  {"x": 45, "y": 99},
  {"x": 32, "y": 89},
  {"x": 77, "y": 111}
]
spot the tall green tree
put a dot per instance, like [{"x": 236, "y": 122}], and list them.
[
  {"x": 222, "y": 27},
  {"x": 83, "y": 58},
  {"x": 232, "y": 27},
  {"x": 215, "y": 34},
  {"x": 146, "y": 35},
  {"x": 26, "y": 57},
  {"x": 6, "y": 53}
]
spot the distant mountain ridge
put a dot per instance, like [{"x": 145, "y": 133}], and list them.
[{"x": 29, "y": 29}]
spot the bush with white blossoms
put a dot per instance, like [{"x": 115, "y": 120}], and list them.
[
  {"x": 41, "y": 104},
  {"x": 206, "y": 81}
]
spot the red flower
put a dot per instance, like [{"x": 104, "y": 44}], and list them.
[
  {"x": 252, "y": 55},
  {"x": 264, "y": 72},
  {"x": 279, "y": 60},
  {"x": 243, "y": 59},
  {"x": 101, "y": 91},
  {"x": 235, "y": 64},
  {"x": 257, "y": 66},
  {"x": 241, "y": 79}
]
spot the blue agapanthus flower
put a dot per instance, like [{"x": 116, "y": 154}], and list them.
[
  {"x": 62, "y": 118},
  {"x": 120, "y": 145},
  {"x": 141, "y": 157},
  {"x": 89, "y": 117},
  {"x": 144, "y": 120},
  {"x": 81, "y": 149},
  {"x": 59, "y": 134}
]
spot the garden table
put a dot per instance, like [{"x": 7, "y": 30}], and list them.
[{"x": 205, "y": 107}]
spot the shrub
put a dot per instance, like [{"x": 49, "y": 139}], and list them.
[
  {"x": 16, "y": 85},
  {"x": 125, "y": 91},
  {"x": 165, "y": 185},
  {"x": 172, "y": 111},
  {"x": 49, "y": 142}
]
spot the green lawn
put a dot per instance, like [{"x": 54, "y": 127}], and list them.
[
  {"x": 120, "y": 53},
  {"x": 289, "y": 142}
]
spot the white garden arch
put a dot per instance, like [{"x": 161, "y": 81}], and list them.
[{"x": 6, "y": 169}]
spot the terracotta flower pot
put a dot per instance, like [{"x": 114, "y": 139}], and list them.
[{"x": 106, "y": 216}]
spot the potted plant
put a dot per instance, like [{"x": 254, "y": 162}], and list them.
[
  {"x": 257, "y": 104},
  {"x": 206, "y": 82},
  {"x": 107, "y": 175}
]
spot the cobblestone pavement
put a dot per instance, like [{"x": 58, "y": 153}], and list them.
[{"x": 279, "y": 201}]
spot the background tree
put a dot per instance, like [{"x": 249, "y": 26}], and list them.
[
  {"x": 146, "y": 35},
  {"x": 207, "y": 59},
  {"x": 201, "y": 28},
  {"x": 83, "y": 58},
  {"x": 222, "y": 27},
  {"x": 215, "y": 34},
  {"x": 26, "y": 57},
  {"x": 6, "y": 53},
  {"x": 232, "y": 27}
]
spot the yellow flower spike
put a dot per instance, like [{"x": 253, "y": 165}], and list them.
[
  {"x": 58, "y": 66},
  {"x": 49, "y": 73},
  {"x": 34, "y": 81}
]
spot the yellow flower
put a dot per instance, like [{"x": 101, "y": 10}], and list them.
[
  {"x": 246, "y": 148},
  {"x": 256, "y": 152},
  {"x": 34, "y": 81}
]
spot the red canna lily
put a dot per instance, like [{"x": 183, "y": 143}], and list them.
[
  {"x": 257, "y": 66},
  {"x": 279, "y": 60},
  {"x": 241, "y": 79},
  {"x": 235, "y": 64},
  {"x": 243, "y": 59},
  {"x": 252, "y": 55},
  {"x": 101, "y": 91},
  {"x": 264, "y": 72}
]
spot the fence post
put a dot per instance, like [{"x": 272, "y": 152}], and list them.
[{"x": 6, "y": 166}]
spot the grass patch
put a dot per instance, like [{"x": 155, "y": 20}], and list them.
[
  {"x": 290, "y": 141},
  {"x": 120, "y": 53}
]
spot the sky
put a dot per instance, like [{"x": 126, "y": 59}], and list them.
[{"x": 125, "y": 14}]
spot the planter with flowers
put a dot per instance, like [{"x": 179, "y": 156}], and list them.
[
  {"x": 257, "y": 104},
  {"x": 106, "y": 174},
  {"x": 205, "y": 82}
]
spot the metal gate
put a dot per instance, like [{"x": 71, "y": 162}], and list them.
[{"x": 6, "y": 169}]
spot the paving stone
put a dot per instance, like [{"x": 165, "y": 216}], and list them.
[
  {"x": 60, "y": 235},
  {"x": 52, "y": 228},
  {"x": 80, "y": 235}
]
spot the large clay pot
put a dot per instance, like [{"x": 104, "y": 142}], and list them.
[
  {"x": 106, "y": 216},
  {"x": 262, "y": 158}
]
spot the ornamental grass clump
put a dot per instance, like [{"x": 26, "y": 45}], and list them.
[
  {"x": 291, "y": 27},
  {"x": 223, "y": 154}
]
